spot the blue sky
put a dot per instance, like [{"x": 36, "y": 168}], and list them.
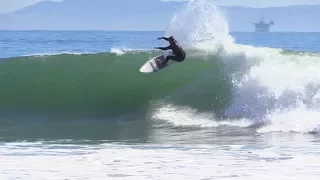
[{"x": 11, "y": 5}]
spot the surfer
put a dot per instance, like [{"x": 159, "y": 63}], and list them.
[{"x": 179, "y": 54}]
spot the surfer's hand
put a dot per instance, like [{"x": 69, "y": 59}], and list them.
[{"x": 159, "y": 38}]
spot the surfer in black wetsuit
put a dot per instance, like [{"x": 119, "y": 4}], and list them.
[{"x": 179, "y": 54}]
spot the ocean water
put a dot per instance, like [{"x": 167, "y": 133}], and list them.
[{"x": 73, "y": 104}]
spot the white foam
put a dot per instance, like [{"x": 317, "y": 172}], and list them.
[
  {"x": 112, "y": 161},
  {"x": 122, "y": 51},
  {"x": 117, "y": 51},
  {"x": 272, "y": 82},
  {"x": 59, "y": 53},
  {"x": 185, "y": 116},
  {"x": 300, "y": 119}
]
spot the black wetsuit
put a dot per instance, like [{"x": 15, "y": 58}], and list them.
[{"x": 179, "y": 54}]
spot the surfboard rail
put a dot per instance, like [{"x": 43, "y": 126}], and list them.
[{"x": 155, "y": 64}]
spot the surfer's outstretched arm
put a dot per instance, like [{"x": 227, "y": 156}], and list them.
[
  {"x": 165, "y": 38},
  {"x": 163, "y": 48}
]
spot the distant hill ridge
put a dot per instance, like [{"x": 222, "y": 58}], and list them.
[{"x": 146, "y": 15}]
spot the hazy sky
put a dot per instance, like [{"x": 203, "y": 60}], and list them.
[{"x": 11, "y": 5}]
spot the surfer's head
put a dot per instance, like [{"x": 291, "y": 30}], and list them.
[{"x": 172, "y": 40}]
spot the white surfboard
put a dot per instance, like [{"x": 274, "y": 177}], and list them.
[{"x": 155, "y": 63}]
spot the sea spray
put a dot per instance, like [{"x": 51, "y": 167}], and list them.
[
  {"x": 266, "y": 82},
  {"x": 199, "y": 21}
]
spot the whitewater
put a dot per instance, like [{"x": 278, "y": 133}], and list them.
[{"x": 71, "y": 109}]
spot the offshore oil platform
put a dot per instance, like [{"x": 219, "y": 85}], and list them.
[{"x": 262, "y": 26}]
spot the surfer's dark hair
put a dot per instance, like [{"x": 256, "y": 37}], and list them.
[{"x": 171, "y": 38}]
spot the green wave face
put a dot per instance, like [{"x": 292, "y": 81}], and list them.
[{"x": 103, "y": 85}]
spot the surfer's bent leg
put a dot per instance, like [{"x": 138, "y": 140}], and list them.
[{"x": 174, "y": 58}]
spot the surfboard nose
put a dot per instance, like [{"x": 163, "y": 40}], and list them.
[{"x": 146, "y": 69}]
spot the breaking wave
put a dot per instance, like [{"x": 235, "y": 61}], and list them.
[{"x": 220, "y": 83}]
